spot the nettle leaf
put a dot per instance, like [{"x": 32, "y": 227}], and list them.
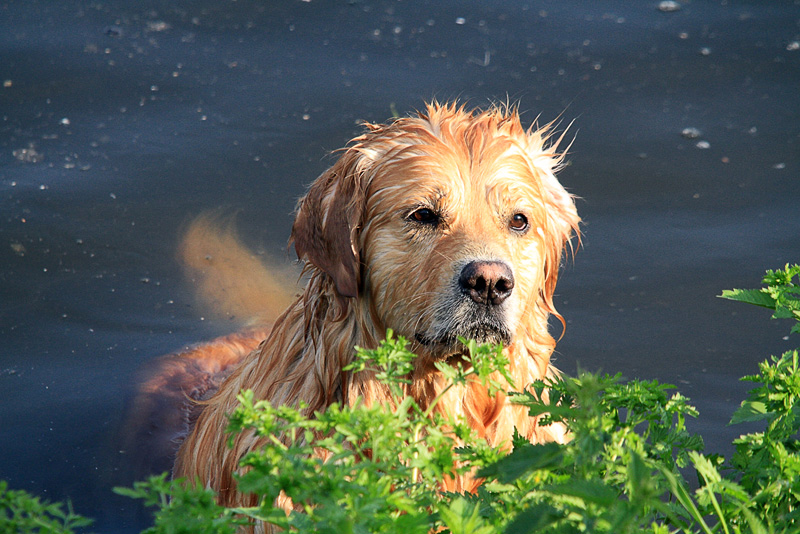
[
  {"x": 639, "y": 476},
  {"x": 756, "y": 526},
  {"x": 705, "y": 468},
  {"x": 534, "y": 519},
  {"x": 463, "y": 517},
  {"x": 523, "y": 460},
  {"x": 749, "y": 412},
  {"x": 781, "y": 294},
  {"x": 758, "y": 297},
  {"x": 784, "y": 313},
  {"x": 589, "y": 491}
]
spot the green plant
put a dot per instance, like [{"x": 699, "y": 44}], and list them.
[
  {"x": 364, "y": 468},
  {"x": 367, "y": 469},
  {"x": 23, "y": 513},
  {"x": 379, "y": 468},
  {"x": 181, "y": 510},
  {"x": 610, "y": 476},
  {"x": 767, "y": 463},
  {"x": 354, "y": 469},
  {"x": 781, "y": 294}
]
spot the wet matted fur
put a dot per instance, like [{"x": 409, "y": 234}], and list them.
[{"x": 450, "y": 223}]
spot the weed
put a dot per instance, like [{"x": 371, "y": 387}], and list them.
[{"x": 362, "y": 469}]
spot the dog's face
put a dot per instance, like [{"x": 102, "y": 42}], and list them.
[
  {"x": 453, "y": 246},
  {"x": 449, "y": 225}
]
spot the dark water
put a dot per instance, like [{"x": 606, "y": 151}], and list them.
[{"x": 120, "y": 120}]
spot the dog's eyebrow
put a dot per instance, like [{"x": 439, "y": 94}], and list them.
[{"x": 424, "y": 197}]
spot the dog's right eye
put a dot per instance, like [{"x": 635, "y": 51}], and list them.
[{"x": 424, "y": 216}]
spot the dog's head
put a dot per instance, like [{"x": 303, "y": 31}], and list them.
[{"x": 447, "y": 224}]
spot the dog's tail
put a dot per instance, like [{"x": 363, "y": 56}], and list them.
[{"x": 229, "y": 281}]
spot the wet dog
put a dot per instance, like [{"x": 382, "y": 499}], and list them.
[{"x": 444, "y": 225}]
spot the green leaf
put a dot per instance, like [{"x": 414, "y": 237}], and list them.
[
  {"x": 756, "y": 526},
  {"x": 757, "y": 297},
  {"x": 523, "y": 460},
  {"x": 749, "y": 412},
  {"x": 705, "y": 468},
  {"x": 639, "y": 476},
  {"x": 534, "y": 519},
  {"x": 463, "y": 517},
  {"x": 590, "y": 491},
  {"x": 683, "y": 497}
]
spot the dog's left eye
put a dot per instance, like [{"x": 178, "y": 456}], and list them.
[
  {"x": 424, "y": 216},
  {"x": 518, "y": 223}
]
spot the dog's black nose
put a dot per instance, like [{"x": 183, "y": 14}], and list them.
[{"x": 487, "y": 282}]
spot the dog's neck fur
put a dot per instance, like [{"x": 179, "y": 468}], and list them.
[{"x": 302, "y": 359}]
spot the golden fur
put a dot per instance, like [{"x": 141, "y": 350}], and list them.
[{"x": 371, "y": 265}]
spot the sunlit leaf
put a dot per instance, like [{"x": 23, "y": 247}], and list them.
[
  {"x": 750, "y": 411},
  {"x": 750, "y": 296}
]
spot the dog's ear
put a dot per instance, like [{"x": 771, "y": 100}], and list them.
[
  {"x": 561, "y": 212},
  {"x": 562, "y": 225},
  {"x": 325, "y": 231}
]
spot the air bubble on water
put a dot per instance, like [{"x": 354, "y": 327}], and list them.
[
  {"x": 691, "y": 133},
  {"x": 668, "y": 6},
  {"x": 158, "y": 26}
]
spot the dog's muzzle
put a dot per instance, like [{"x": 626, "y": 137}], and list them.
[{"x": 475, "y": 310}]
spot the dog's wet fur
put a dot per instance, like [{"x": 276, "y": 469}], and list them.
[{"x": 443, "y": 225}]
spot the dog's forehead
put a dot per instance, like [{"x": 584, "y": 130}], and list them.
[{"x": 435, "y": 173}]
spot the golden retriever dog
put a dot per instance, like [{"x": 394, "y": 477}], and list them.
[{"x": 443, "y": 225}]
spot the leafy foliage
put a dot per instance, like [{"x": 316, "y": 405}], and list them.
[
  {"x": 23, "y": 513},
  {"x": 181, "y": 510},
  {"x": 364, "y": 468},
  {"x": 781, "y": 294},
  {"x": 767, "y": 464},
  {"x": 610, "y": 477},
  {"x": 378, "y": 469}
]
